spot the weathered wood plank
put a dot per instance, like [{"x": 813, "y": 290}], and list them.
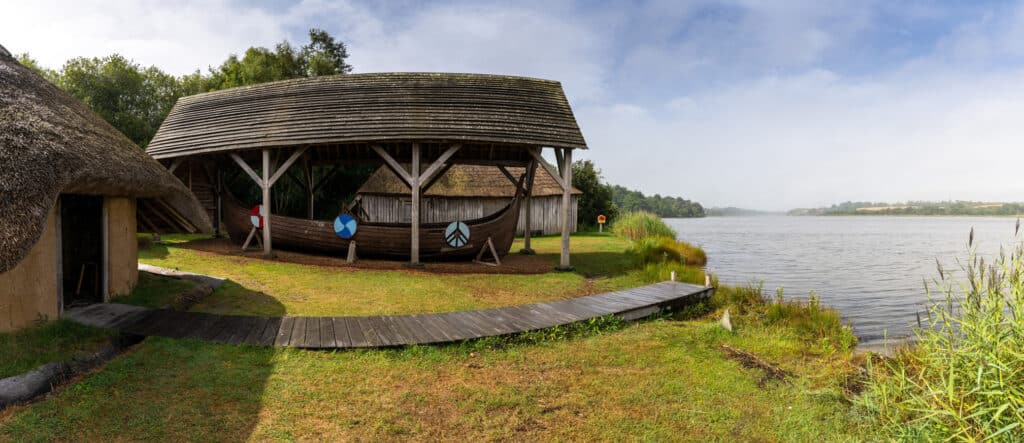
[
  {"x": 328, "y": 338},
  {"x": 256, "y": 332},
  {"x": 298, "y": 332},
  {"x": 284, "y": 334},
  {"x": 271, "y": 331},
  {"x": 341, "y": 333},
  {"x": 377, "y": 325},
  {"x": 312, "y": 339},
  {"x": 357, "y": 333},
  {"x": 370, "y": 333}
]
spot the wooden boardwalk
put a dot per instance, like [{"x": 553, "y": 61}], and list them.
[{"x": 386, "y": 330}]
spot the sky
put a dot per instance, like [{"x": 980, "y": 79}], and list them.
[{"x": 757, "y": 104}]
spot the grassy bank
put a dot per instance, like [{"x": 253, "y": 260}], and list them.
[
  {"x": 664, "y": 379},
  {"x": 964, "y": 377}
]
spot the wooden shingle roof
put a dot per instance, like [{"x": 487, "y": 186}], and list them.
[
  {"x": 381, "y": 107},
  {"x": 464, "y": 181},
  {"x": 51, "y": 143}
]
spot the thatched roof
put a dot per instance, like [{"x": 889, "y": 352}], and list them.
[
  {"x": 464, "y": 181},
  {"x": 361, "y": 108},
  {"x": 51, "y": 144}
]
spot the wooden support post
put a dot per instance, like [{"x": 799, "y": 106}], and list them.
[
  {"x": 220, "y": 207},
  {"x": 566, "y": 158},
  {"x": 531, "y": 171},
  {"x": 414, "y": 253},
  {"x": 488, "y": 247},
  {"x": 308, "y": 169},
  {"x": 266, "y": 182},
  {"x": 174, "y": 164},
  {"x": 351, "y": 252}
]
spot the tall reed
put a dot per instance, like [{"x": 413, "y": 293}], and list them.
[
  {"x": 964, "y": 378},
  {"x": 641, "y": 224}
]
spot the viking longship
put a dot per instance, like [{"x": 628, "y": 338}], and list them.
[{"x": 380, "y": 239}]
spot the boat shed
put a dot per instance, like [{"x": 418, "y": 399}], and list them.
[
  {"x": 71, "y": 191},
  {"x": 428, "y": 121},
  {"x": 467, "y": 192}
]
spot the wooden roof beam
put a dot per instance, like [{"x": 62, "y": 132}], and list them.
[
  {"x": 394, "y": 165},
  {"x": 245, "y": 167},
  {"x": 287, "y": 164},
  {"x": 439, "y": 163},
  {"x": 535, "y": 153}
]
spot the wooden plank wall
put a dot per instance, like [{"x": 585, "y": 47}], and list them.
[{"x": 545, "y": 215}]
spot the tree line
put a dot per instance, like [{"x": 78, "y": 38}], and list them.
[
  {"x": 600, "y": 197},
  {"x": 136, "y": 99},
  {"x": 958, "y": 207}
]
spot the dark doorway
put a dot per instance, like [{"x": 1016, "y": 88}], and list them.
[{"x": 81, "y": 236}]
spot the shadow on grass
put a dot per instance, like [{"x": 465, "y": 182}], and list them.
[{"x": 164, "y": 389}]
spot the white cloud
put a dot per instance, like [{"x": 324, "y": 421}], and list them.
[
  {"x": 179, "y": 37},
  {"x": 817, "y": 138},
  {"x": 483, "y": 39}
]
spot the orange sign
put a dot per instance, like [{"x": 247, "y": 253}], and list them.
[{"x": 600, "y": 219}]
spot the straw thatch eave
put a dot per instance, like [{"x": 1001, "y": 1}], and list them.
[{"x": 50, "y": 144}]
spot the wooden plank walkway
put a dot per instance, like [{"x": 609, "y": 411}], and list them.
[{"x": 386, "y": 330}]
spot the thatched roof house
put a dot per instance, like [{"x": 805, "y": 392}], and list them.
[
  {"x": 52, "y": 148},
  {"x": 466, "y": 192}
]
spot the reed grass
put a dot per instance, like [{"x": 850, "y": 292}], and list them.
[
  {"x": 963, "y": 380},
  {"x": 812, "y": 321},
  {"x": 666, "y": 250},
  {"x": 641, "y": 224}
]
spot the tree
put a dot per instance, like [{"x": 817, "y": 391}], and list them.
[
  {"x": 133, "y": 99},
  {"x": 597, "y": 196},
  {"x": 321, "y": 56},
  {"x": 27, "y": 61}
]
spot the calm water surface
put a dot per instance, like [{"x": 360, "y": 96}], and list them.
[{"x": 869, "y": 268}]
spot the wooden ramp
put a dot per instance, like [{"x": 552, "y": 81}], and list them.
[{"x": 387, "y": 330}]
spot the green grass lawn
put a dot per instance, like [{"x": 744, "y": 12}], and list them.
[
  {"x": 36, "y": 345},
  {"x": 665, "y": 379},
  {"x": 659, "y": 380},
  {"x": 262, "y": 287},
  {"x": 155, "y": 291}
]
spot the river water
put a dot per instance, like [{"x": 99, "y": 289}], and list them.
[{"x": 870, "y": 268}]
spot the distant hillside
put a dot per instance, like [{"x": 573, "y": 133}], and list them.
[
  {"x": 958, "y": 207},
  {"x": 732, "y": 211},
  {"x": 664, "y": 206}
]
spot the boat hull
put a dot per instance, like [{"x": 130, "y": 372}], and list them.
[{"x": 377, "y": 239}]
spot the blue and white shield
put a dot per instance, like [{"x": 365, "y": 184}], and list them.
[{"x": 345, "y": 226}]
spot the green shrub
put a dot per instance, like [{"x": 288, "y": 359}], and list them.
[
  {"x": 649, "y": 250},
  {"x": 812, "y": 320},
  {"x": 963, "y": 379},
  {"x": 741, "y": 299},
  {"x": 640, "y": 224},
  {"x": 659, "y": 272}
]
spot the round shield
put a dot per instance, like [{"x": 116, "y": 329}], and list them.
[
  {"x": 456, "y": 234},
  {"x": 256, "y": 216},
  {"x": 345, "y": 226}
]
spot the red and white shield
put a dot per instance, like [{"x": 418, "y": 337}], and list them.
[{"x": 256, "y": 216}]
